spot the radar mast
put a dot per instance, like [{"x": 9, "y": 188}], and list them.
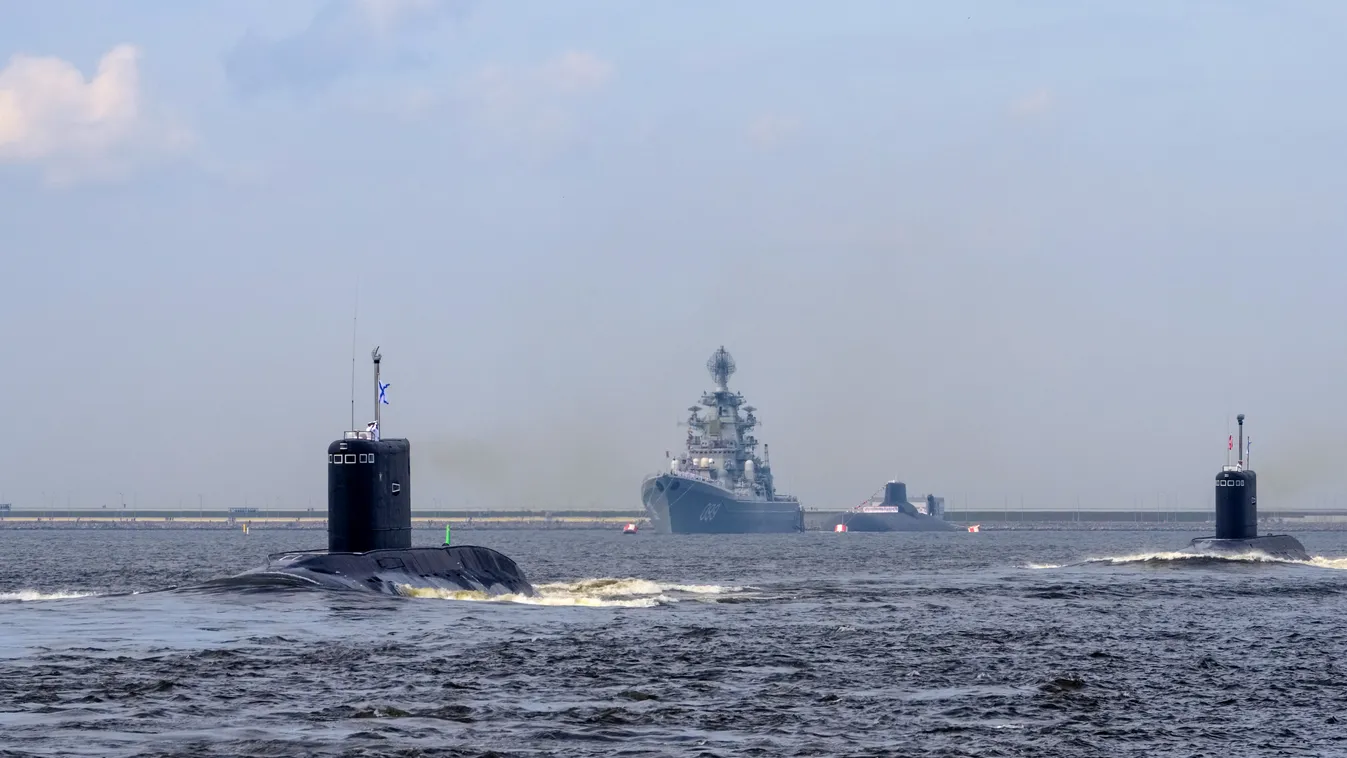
[{"x": 721, "y": 366}]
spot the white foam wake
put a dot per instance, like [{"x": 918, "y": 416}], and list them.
[
  {"x": 24, "y": 596},
  {"x": 1331, "y": 563},
  {"x": 1251, "y": 556},
  {"x": 593, "y": 593}
]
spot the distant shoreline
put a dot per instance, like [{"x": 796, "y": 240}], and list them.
[
  {"x": 302, "y": 524},
  {"x": 573, "y": 524},
  {"x": 815, "y": 520}
]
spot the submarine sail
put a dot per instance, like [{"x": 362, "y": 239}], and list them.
[
  {"x": 369, "y": 527},
  {"x": 1237, "y": 514}
]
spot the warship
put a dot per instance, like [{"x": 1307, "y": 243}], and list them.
[
  {"x": 719, "y": 485},
  {"x": 1237, "y": 514},
  {"x": 890, "y": 510}
]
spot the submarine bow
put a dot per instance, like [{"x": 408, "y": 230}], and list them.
[{"x": 388, "y": 571}]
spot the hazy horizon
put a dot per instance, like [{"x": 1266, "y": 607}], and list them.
[{"x": 1041, "y": 250}]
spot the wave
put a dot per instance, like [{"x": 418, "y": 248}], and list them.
[
  {"x": 631, "y": 586},
  {"x": 603, "y": 592},
  {"x": 28, "y": 596},
  {"x": 253, "y": 581},
  {"x": 606, "y": 592},
  {"x": 1193, "y": 558}
]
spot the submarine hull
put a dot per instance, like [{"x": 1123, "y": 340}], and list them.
[
  {"x": 889, "y": 522},
  {"x": 679, "y": 505},
  {"x": 389, "y": 571},
  {"x": 895, "y": 513},
  {"x": 1276, "y": 545}
]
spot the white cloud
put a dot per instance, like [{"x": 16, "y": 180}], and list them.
[
  {"x": 575, "y": 73},
  {"x": 771, "y": 131},
  {"x": 536, "y": 102},
  {"x": 1036, "y": 103},
  {"x": 387, "y": 16},
  {"x": 51, "y": 116},
  {"x": 345, "y": 39}
]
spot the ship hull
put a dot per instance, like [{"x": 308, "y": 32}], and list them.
[
  {"x": 684, "y": 506},
  {"x": 387, "y": 571},
  {"x": 1276, "y": 545},
  {"x": 890, "y": 522}
]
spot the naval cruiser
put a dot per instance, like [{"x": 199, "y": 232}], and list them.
[{"x": 719, "y": 485}]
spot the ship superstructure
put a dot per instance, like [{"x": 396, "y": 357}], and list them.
[{"x": 719, "y": 483}]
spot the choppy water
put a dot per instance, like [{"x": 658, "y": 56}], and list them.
[{"x": 991, "y": 644}]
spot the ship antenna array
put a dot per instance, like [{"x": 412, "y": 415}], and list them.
[{"x": 721, "y": 366}]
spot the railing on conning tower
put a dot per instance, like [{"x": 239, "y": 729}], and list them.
[{"x": 358, "y": 435}]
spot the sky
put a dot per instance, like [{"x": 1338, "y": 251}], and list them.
[{"x": 1035, "y": 252}]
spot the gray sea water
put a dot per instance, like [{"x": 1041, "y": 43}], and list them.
[{"x": 989, "y": 644}]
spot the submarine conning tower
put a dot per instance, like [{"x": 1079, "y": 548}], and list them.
[
  {"x": 1237, "y": 497},
  {"x": 369, "y": 499},
  {"x": 895, "y": 493},
  {"x": 369, "y": 479}
]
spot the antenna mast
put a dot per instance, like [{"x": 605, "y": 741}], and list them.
[
  {"x": 1240, "y": 451},
  {"x": 354, "y": 320},
  {"x": 375, "y": 355}
]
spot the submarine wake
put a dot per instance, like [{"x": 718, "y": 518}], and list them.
[
  {"x": 1188, "y": 558},
  {"x": 610, "y": 586},
  {"x": 594, "y": 593},
  {"x": 604, "y": 592},
  {"x": 29, "y": 596}
]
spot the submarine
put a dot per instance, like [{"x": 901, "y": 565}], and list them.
[
  {"x": 1237, "y": 515},
  {"x": 369, "y": 528},
  {"x": 894, "y": 512}
]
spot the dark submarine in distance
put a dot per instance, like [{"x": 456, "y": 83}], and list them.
[
  {"x": 1237, "y": 515},
  {"x": 369, "y": 528}
]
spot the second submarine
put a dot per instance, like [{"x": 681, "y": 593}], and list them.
[{"x": 1237, "y": 515}]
